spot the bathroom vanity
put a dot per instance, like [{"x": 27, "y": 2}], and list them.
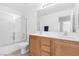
[{"x": 52, "y": 45}]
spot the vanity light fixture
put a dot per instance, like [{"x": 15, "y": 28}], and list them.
[{"x": 45, "y": 5}]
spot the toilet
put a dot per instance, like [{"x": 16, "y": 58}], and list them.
[{"x": 24, "y": 47}]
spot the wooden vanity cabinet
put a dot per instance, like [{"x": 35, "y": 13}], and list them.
[
  {"x": 34, "y": 46},
  {"x": 44, "y": 46},
  {"x": 66, "y": 48}
]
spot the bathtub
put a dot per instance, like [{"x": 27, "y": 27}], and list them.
[{"x": 5, "y": 50}]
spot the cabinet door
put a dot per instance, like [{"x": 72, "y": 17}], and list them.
[
  {"x": 45, "y": 46},
  {"x": 52, "y": 47},
  {"x": 31, "y": 46},
  {"x": 34, "y": 46},
  {"x": 37, "y": 46},
  {"x": 65, "y": 48}
]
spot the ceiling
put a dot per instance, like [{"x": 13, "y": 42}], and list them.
[
  {"x": 56, "y": 8},
  {"x": 23, "y": 8}
]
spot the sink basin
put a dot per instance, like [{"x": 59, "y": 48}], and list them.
[{"x": 73, "y": 37}]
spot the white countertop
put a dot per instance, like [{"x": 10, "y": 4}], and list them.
[{"x": 56, "y": 35}]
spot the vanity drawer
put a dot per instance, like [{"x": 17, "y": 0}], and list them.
[
  {"x": 43, "y": 53},
  {"x": 45, "y": 41},
  {"x": 31, "y": 54},
  {"x": 45, "y": 48}
]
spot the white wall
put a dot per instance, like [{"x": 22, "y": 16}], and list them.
[
  {"x": 31, "y": 23},
  {"x": 10, "y": 22},
  {"x": 6, "y": 28},
  {"x": 52, "y": 20},
  {"x": 31, "y": 19}
]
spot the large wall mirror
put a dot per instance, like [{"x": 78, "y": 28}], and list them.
[{"x": 65, "y": 24}]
